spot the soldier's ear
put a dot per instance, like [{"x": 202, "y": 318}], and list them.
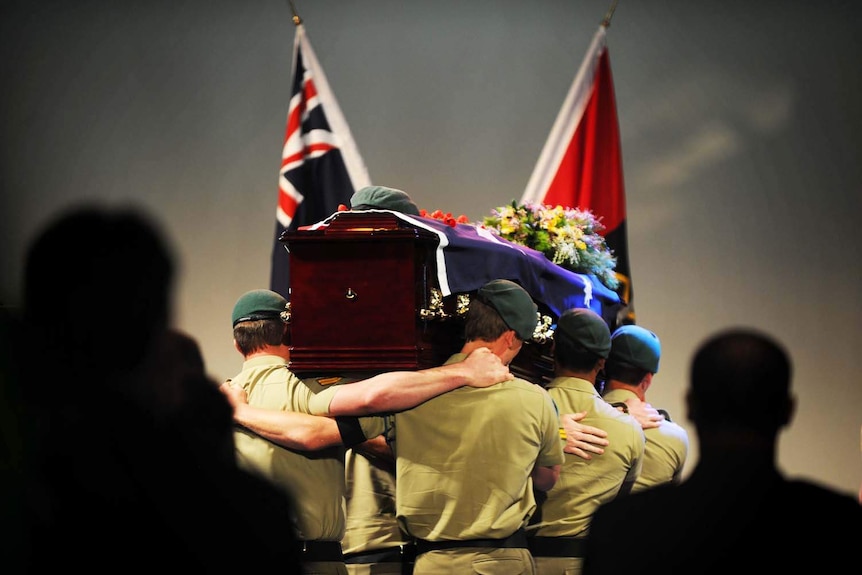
[
  {"x": 511, "y": 339},
  {"x": 647, "y": 381}
]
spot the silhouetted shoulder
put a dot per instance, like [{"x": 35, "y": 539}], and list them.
[
  {"x": 707, "y": 527},
  {"x": 825, "y": 502}
]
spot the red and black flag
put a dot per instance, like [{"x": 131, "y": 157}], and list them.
[
  {"x": 581, "y": 163},
  {"x": 320, "y": 163}
]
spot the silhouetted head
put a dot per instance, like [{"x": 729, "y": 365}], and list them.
[
  {"x": 740, "y": 381},
  {"x": 97, "y": 284}
]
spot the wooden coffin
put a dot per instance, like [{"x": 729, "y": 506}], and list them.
[
  {"x": 360, "y": 288},
  {"x": 366, "y": 295}
]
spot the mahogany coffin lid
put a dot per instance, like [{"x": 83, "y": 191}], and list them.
[{"x": 357, "y": 290}]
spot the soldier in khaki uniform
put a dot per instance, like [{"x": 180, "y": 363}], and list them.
[
  {"x": 316, "y": 482},
  {"x": 374, "y": 542},
  {"x": 559, "y": 528},
  {"x": 631, "y": 366},
  {"x": 467, "y": 459}
]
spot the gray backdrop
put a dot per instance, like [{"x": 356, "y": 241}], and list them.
[{"x": 740, "y": 126}]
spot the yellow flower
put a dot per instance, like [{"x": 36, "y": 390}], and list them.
[{"x": 572, "y": 237}]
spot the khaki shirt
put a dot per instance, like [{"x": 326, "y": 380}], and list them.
[
  {"x": 314, "y": 480},
  {"x": 464, "y": 459},
  {"x": 586, "y": 484},
  {"x": 666, "y": 448}
]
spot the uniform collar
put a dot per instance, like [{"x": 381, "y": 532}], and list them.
[
  {"x": 263, "y": 361},
  {"x": 619, "y": 395},
  {"x": 574, "y": 384}
]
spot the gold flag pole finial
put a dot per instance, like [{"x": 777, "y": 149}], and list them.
[
  {"x": 296, "y": 19},
  {"x": 606, "y": 22}
]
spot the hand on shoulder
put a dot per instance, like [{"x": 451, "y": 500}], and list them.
[
  {"x": 235, "y": 394},
  {"x": 644, "y": 413},
  {"x": 581, "y": 439},
  {"x": 486, "y": 368}
]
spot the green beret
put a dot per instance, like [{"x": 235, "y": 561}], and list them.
[
  {"x": 259, "y": 304},
  {"x": 586, "y": 327},
  {"x": 385, "y": 199},
  {"x": 514, "y": 305},
  {"x": 636, "y": 346}
]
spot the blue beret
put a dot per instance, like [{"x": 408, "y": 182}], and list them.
[{"x": 636, "y": 346}]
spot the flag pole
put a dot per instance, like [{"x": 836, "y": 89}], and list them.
[
  {"x": 606, "y": 22},
  {"x": 296, "y": 19}
]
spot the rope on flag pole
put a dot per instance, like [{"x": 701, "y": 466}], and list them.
[{"x": 606, "y": 22}]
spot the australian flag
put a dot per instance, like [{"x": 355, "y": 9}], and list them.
[{"x": 320, "y": 163}]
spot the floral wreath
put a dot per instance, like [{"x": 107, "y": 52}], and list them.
[{"x": 569, "y": 237}]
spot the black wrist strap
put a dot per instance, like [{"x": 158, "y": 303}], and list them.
[{"x": 350, "y": 430}]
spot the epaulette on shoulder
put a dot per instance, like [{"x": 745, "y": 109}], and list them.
[{"x": 326, "y": 380}]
